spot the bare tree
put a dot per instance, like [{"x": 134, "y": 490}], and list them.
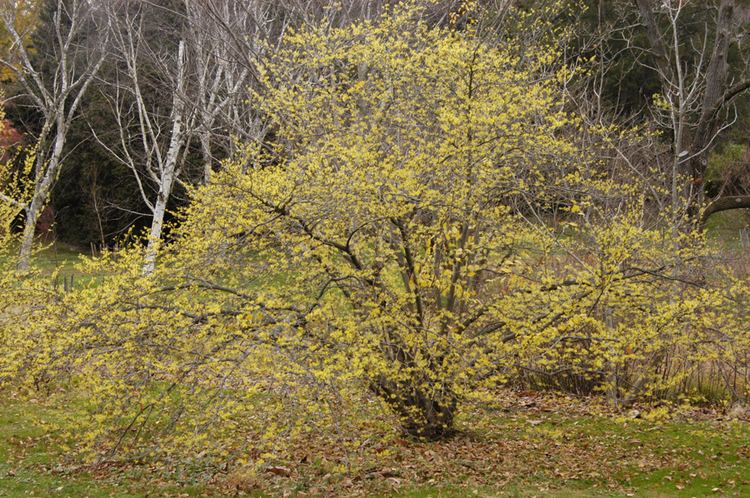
[
  {"x": 181, "y": 75},
  {"x": 699, "y": 88},
  {"x": 55, "y": 85},
  {"x": 147, "y": 92},
  {"x": 223, "y": 37}
]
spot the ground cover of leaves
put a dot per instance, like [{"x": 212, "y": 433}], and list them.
[{"x": 525, "y": 444}]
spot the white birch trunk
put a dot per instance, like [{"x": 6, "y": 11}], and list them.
[
  {"x": 169, "y": 168},
  {"x": 42, "y": 191}
]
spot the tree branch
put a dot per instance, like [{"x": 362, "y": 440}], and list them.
[{"x": 725, "y": 204}]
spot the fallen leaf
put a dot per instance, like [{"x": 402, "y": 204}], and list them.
[{"x": 279, "y": 471}]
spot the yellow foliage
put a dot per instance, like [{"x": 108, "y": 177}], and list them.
[
  {"x": 395, "y": 252},
  {"x": 25, "y": 16}
]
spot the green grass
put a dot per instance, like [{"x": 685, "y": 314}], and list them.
[
  {"x": 33, "y": 460},
  {"x": 57, "y": 262},
  {"x": 724, "y": 228},
  {"x": 516, "y": 452},
  {"x": 29, "y": 457},
  {"x": 552, "y": 452},
  {"x": 649, "y": 459},
  {"x": 48, "y": 258},
  {"x": 56, "y": 256}
]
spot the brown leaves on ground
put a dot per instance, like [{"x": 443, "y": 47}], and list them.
[{"x": 524, "y": 439}]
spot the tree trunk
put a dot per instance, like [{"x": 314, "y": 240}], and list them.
[
  {"x": 165, "y": 191},
  {"x": 205, "y": 139},
  {"x": 421, "y": 415},
  {"x": 157, "y": 223},
  {"x": 169, "y": 168},
  {"x": 160, "y": 207},
  {"x": 42, "y": 191},
  {"x": 29, "y": 231}
]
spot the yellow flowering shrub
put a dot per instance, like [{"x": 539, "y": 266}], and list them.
[{"x": 424, "y": 225}]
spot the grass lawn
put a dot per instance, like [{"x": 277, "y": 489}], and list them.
[
  {"x": 527, "y": 446},
  {"x": 33, "y": 461},
  {"x": 725, "y": 228}
]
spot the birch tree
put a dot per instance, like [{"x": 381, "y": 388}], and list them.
[
  {"x": 54, "y": 85},
  {"x": 182, "y": 74},
  {"x": 26, "y": 16},
  {"x": 149, "y": 100},
  {"x": 223, "y": 37}
]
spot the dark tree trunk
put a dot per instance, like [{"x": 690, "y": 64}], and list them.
[{"x": 421, "y": 415}]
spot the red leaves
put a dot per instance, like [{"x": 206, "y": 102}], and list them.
[{"x": 9, "y": 136}]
